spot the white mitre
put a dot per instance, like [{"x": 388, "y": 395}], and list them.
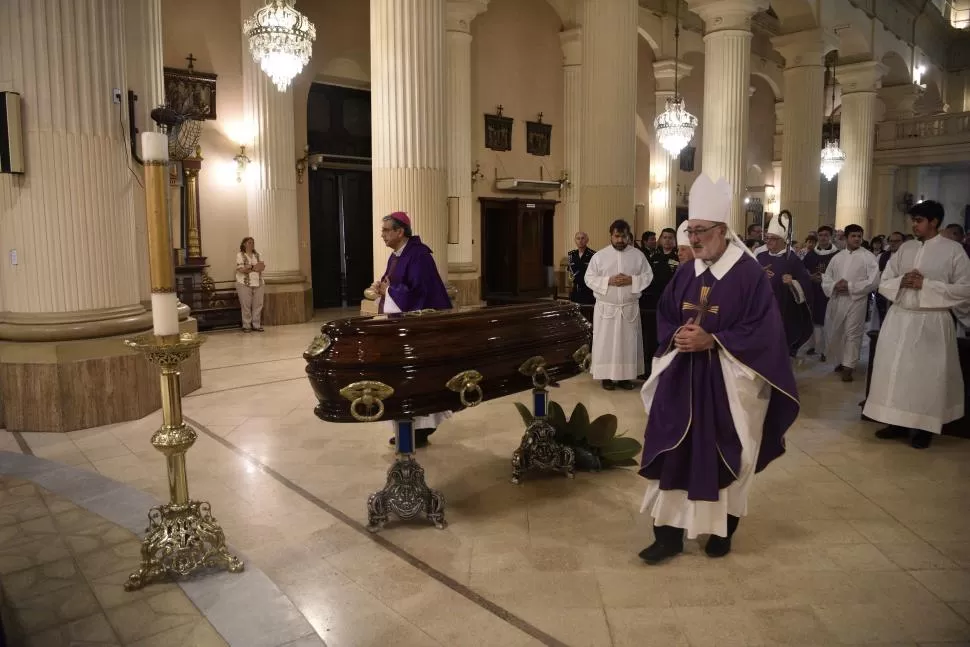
[
  {"x": 779, "y": 226},
  {"x": 682, "y": 239},
  {"x": 712, "y": 201}
]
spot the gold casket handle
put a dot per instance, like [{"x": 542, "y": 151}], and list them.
[
  {"x": 535, "y": 367},
  {"x": 583, "y": 357},
  {"x": 466, "y": 383},
  {"x": 368, "y": 394}
]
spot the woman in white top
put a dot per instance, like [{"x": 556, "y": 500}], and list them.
[{"x": 249, "y": 285}]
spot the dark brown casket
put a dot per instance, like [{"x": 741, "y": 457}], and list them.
[{"x": 434, "y": 360}]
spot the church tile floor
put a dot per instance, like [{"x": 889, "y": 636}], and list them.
[{"x": 849, "y": 540}]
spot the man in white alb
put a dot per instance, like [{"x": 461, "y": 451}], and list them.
[
  {"x": 848, "y": 281},
  {"x": 617, "y": 275},
  {"x": 916, "y": 383}
]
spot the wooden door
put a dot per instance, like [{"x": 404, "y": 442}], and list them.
[
  {"x": 325, "y": 266},
  {"x": 531, "y": 270}
]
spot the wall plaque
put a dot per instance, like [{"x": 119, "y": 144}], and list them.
[
  {"x": 538, "y": 137},
  {"x": 191, "y": 92},
  {"x": 498, "y": 131}
]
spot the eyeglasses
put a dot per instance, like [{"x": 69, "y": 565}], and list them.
[{"x": 700, "y": 231}]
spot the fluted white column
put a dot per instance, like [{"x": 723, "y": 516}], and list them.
[
  {"x": 458, "y": 118},
  {"x": 804, "y": 54},
  {"x": 609, "y": 116},
  {"x": 727, "y": 81},
  {"x": 69, "y": 218},
  {"x": 408, "y": 116},
  {"x": 663, "y": 166},
  {"x": 271, "y": 184},
  {"x": 859, "y": 83},
  {"x": 143, "y": 24},
  {"x": 572, "y": 116},
  {"x": 883, "y": 200}
]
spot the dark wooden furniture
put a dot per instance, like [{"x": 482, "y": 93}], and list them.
[
  {"x": 960, "y": 427},
  {"x": 417, "y": 355},
  {"x": 214, "y": 304},
  {"x": 517, "y": 249}
]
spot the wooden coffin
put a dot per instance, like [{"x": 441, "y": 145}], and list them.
[{"x": 418, "y": 354}]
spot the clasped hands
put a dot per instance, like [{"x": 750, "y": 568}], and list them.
[
  {"x": 912, "y": 279},
  {"x": 380, "y": 288},
  {"x": 842, "y": 286},
  {"x": 786, "y": 279},
  {"x": 691, "y": 338},
  {"x": 620, "y": 280}
]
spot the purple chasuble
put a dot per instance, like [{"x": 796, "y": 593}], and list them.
[
  {"x": 414, "y": 280},
  {"x": 691, "y": 443},
  {"x": 796, "y": 317},
  {"x": 817, "y": 264}
]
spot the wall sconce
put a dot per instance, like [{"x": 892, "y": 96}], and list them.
[
  {"x": 564, "y": 182},
  {"x": 241, "y": 162},
  {"x": 477, "y": 174},
  {"x": 301, "y": 164}
]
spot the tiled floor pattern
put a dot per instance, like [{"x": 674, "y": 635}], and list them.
[
  {"x": 61, "y": 572},
  {"x": 849, "y": 540}
]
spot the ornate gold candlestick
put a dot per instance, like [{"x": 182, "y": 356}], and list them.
[{"x": 182, "y": 535}]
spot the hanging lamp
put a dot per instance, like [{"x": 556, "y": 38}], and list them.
[
  {"x": 833, "y": 157},
  {"x": 675, "y": 126},
  {"x": 280, "y": 40}
]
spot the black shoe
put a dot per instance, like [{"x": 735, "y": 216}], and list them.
[
  {"x": 821, "y": 358},
  {"x": 720, "y": 546},
  {"x": 420, "y": 438},
  {"x": 247, "y": 329},
  {"x": 921, "y": 439},
  {"x": 669, "y": 542},
  {"x": 260, "y": 329},
  {"x": 626, "y": 385},
  {"x": 838, "y": 368},
  {"x": 892, "y": 432},
  {"x": 609, "y": 385},
  {"x": 810, "y": 352}
]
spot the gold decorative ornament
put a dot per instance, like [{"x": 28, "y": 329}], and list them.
[
  {"x": 466, "y": 383},
  {"x": 318, "y": 346},
  {"x": 182, "y": 535},
  {"x": 420, "y": 313},
  {"x": 583, "y": 357},
  {"x": 371, "y": 294},
  {"x": 535, "y": 367},
  {"x": 368, "y": 394}
]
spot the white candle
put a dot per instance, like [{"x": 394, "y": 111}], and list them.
[
  {"x": 154, "y": 147},
  {"x": 165, "y": 314}
]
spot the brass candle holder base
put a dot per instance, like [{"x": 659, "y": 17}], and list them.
[{"x": 182, "y": 537}]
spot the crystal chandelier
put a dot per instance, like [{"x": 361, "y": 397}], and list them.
[
  {"x": 280, "y": 40},
  {"x": 833, "y": 157},
  {"x": 675, "y": 126}
]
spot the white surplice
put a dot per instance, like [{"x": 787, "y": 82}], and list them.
[
  {"x": 916, "y": 378},
  {"x": 845, "y": 318},
  {"x": 748, "y": 398},
  {"x": 617, "y": 338}
]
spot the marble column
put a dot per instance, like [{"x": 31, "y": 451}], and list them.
[
  {"x": 804, "y": 54},
  {"x": 727, "y": 63},
  {"x": 663, "y": 166},
  {"x": 143, "y": 25},
  {"x": 859, "y": 82},
  {"x": 271, "y": 189},
  {"x": 458, "y": 119},
  {"x": 883, "y": 205},
  {"x": 408, "y": 115},
  {"x": 572, "y": 117},
  {"x": 609, "y": 116},
  {"x": 69, "y": 274}
]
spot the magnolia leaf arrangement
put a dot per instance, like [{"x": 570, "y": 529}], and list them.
[{"x": 595, "y": 442}]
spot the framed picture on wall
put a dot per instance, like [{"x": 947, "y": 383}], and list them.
[
  {"x": 498, "y": 131},
  {"x": 687, "y": 159}
]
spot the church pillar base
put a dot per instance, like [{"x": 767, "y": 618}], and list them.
[
  {"x": 288, "y": 303},
  {"x": 64, "y": 386},
  {"x": 467, "y": 283}
]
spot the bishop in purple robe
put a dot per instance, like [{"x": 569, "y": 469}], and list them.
[
  {"x": 816, "y": 262},
  {"x": 411, "y": 282},
  {"x": 789, "y": 281},
  {"x": 722, "y": 393}
]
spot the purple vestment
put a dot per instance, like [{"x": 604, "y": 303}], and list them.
[
  {"x": 817, "y": 264},
  {"x": 414, "y": 280},
  {"x": 691, "y": 443},
  {"x": 796, "y": 317}
]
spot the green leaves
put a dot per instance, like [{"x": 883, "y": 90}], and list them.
[{"x": 597, "y": 438}]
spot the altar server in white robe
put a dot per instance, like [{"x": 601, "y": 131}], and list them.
[
  {"x": 917, "y": 385},
  {"x": 848, "y": 281},
  {"x": 617, "y": 275}
]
